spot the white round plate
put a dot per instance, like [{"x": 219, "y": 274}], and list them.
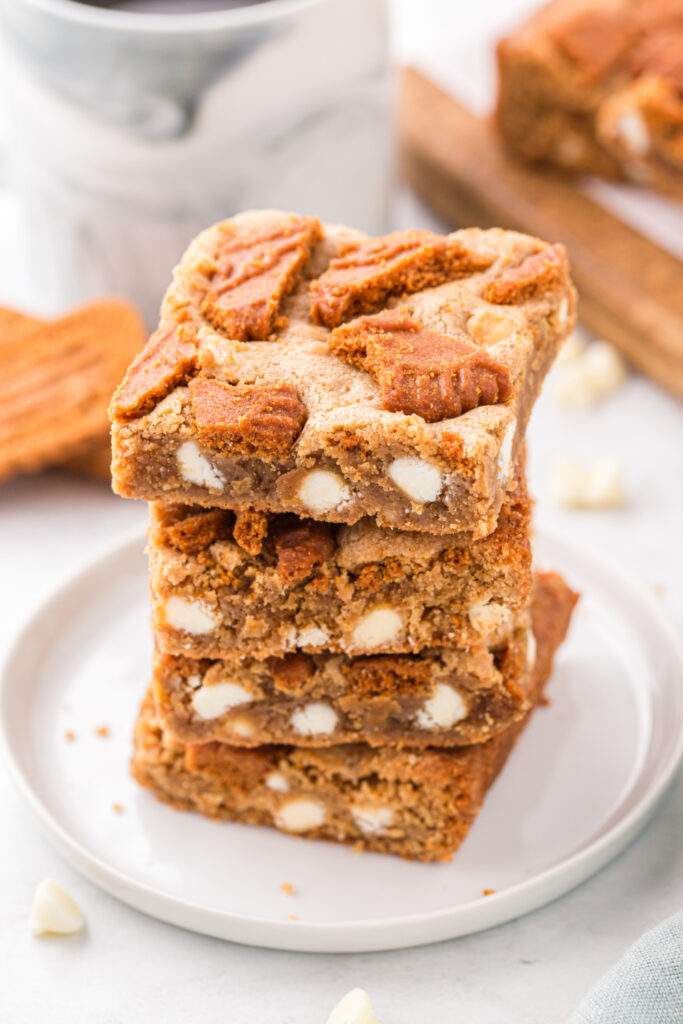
[{"x": 583, "y": 780}]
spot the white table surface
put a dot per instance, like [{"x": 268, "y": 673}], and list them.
[{"x": 129, "y": 969}]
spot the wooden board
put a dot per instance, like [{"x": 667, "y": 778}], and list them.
[{"x": 631, "y": 290}]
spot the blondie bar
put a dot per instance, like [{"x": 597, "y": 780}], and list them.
[
  {"x": 313, "y": 370},
  {"x": 440, "y": 697},
  {"x": 417, "y": 804},
  {"x": 271, "y": 584},
  {"x": 597, "y": 86}
]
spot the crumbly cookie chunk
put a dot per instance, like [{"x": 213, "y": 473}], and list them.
[
  {"x": 391, "y": 378},
  {"x": 597, "y": 86},
  {"x": 415, "y": 804}
]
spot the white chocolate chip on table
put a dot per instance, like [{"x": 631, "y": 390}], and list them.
[
  {"x": 597, "y": 485},
  {"x": 54, "y": 911},
  {"x": 354, "y": 1008},
  {"x": 591, "y": 376}
]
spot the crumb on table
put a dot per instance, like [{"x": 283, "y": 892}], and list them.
[
  {"x": 70, "y": 736},
  {"x": 103, "y": 731},
  {"x": 117, "y": 808},
  {"x": 488, "y": 892},
  {"x": 287, "y": 889}
]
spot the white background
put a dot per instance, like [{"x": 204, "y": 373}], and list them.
[{"x": 128, "y": 969}]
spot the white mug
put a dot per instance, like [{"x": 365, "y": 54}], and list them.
[{"x": 129, "y": 132}]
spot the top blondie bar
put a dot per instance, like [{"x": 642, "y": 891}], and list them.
[
  {"x": 597, "y": 86},
  {"x": 312, "y": 369}
]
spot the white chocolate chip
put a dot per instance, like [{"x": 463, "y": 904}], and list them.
[
  {"x": 379, "y": 626},
  {"x": 632, "y": 131},
  {"x": 372, "y": 820},
  {"x": 311, "y": 636},
  {"x": 492, "y": 620},
  {"x": 54, "y": 911},
  {"x": 504, "y": 464},
  {"x": 196, "y": 468},
  {"x": 300, "y": 815},
  {"x": 194, "y": 682},
  {"x": 242, "y": 727},
  {"x": 596, "y": 486},
  {"x": 213, "y": 701},
  {"x": 531, "y": 649},
  {"x": 314, "y": 719},
  {"x": 323, "y": 491},
  {"x": 191, "y": 616},
  {"x": 443, "y": 709},
  {"x": 563, "y": 312},
  {"x": 488, "y": 326},
  {"x": 277, "y": 782},
  {"x": 419, "y": 480},
  {"x": 590, "y": 377},
  {"x": 354, "y": 1008}
]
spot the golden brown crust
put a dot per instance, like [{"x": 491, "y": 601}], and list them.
[
  {"x": 435, "y": 376},
  {"x": 302, "y": 546},
  {"x": 253, "y": 270},
  {"x": 168, "y": 359},
  {"x": 366, "y": 274},
  {"x": 256, "y": 420}
]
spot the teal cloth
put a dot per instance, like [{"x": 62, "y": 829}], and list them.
[{"x": 645, "y": 986}]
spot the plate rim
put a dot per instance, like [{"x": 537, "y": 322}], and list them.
[{"x": 384, "y": 933}]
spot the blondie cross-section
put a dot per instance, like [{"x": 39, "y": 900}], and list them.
[
  {"x": 313, "y": 370},
  {"x": 597, "y": 86},
  {"x": 437, "y": 698},
  {"x": 223, "y": 582},
  {"x": 417, "y": 804}
]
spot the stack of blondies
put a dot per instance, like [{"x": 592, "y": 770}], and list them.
[{"x": 330, "y": 431}]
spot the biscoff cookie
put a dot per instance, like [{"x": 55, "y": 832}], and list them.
[{"x": 57, "y": 380}]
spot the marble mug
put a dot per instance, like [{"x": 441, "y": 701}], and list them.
[{"x": 128, "y": 132}]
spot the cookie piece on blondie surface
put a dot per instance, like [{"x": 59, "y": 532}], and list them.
[
  {"x": 597, "y": 86},
  {"x": 416, "y": 804},
  {"x": 313, "y": 370},
  {"x": 270, "y": 584}
]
